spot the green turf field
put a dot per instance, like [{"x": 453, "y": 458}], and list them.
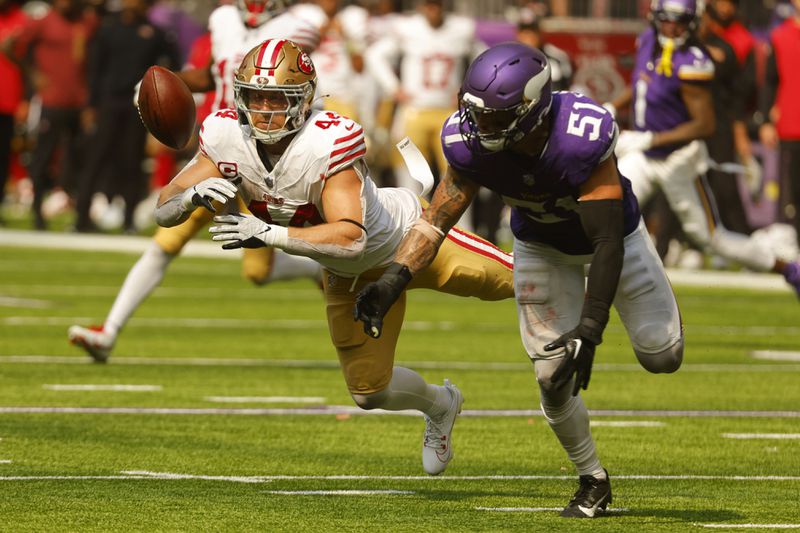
[{"x": 223, "y": 409}]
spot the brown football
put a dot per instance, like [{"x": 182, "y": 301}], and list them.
[{"x": 167, "y": 107}]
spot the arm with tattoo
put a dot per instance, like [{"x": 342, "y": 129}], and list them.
[{"x": 450, "y": 199}]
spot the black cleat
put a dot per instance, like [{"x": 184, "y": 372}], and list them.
[{"x": 593, "y": 496}]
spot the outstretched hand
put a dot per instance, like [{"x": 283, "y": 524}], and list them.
[
  {"x": 377, "y": 297},
  {"x": 243, "y": 231},
  {"x": 578, "y": 360}
]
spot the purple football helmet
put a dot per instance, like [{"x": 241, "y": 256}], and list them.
[
  {"x": 505, "y": 95},
  {"x": 680, "y": 11}
]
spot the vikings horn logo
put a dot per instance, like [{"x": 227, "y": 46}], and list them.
[{"x": 304, "y": 63}]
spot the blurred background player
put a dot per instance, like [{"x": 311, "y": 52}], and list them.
[
  {"x": 432, "y": 48},
  {"x": 125, "y": 45},
  {"x": 339, "y": 57},
  {"x": 234, "y": 31},
  {"x": 780, "y": 108},
  {"x": 12, "y": 19},
  {"x": 529, "y": 31},
  {"x": 52, "y": 51},
  {"x": 672, "y": 113}
]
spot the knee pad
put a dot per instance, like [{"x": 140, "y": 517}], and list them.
[
  {"x": 550, "y": 396},
  {"x": 370, "y": 401},
  {"x": 664, "y": 361}
]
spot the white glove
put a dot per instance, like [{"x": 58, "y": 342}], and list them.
[
  {"x": 633, "y": 141},
  {"x": 247, "y": 231},
  {"x": 753, "y": 176},
  {"x": 136, "y": 89},
  {"x": 218, "y": 189}
]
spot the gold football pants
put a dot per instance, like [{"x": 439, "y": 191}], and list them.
[{"x": 466, "y": 265}]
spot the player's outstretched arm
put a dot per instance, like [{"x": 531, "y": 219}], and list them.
[
  {"x": 342, "y": 235},
  {"x": 198, "y": 184},
  {"x": 417, "y": 250}
]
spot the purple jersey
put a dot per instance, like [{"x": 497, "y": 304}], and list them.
[
  {"x": 657, "y": 78},
  {"x": 543, "y": 191}
]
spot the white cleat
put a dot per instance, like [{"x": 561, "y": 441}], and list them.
[
  {"x": 94, "y": 339},
  {"x": 437, "y": 443}
]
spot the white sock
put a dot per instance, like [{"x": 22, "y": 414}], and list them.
[
  {"x": 408, "y": 390},
  {"x": 142, "y": 279},
  {"x": 286, "y": 266},
  {"x": 570, "y": 423}
]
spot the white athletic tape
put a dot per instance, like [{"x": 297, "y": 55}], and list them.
[{"x": 418, "y": 167}]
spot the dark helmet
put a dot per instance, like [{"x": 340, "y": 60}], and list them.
[
  {"x": 683, "y": 11},
  {"x": 505, "y": 95}
]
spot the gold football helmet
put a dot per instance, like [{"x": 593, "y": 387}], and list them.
[{"x": 273, "y": 89}]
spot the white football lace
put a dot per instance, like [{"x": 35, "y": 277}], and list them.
[{"x": 433, "y": 435}]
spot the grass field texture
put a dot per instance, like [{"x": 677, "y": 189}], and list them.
[{"x": 223, "y": 409}]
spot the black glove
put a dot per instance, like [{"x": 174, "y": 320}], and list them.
[
  {"x": 375, "y": 300},
  {"x": 579, "y": 345}
]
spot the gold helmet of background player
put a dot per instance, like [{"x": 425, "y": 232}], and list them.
[{"x": 273, "y": 90}]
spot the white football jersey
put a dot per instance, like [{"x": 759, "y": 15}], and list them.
[
  {"x": 335, "y": 71},
  {"x": 290, "y": 194},
  {"x": 231, "y": 39},
  {"x": 433, "y": 59}
]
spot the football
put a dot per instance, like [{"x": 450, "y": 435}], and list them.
[{"x": 166, "y": 107}]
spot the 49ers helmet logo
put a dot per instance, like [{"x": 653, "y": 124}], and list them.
[{"x": 304, "y": 63}]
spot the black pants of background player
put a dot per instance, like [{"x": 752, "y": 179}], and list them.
[
  {"x": 114, "y": 162},
  {"x": 6, "y": 135},
  {"x": 790, "y": 184},
  {"x": 725, "y": 186},
  {"x": 58, "y": 134}
]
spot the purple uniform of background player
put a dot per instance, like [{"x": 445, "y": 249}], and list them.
[
  {"x": 657, "y": 101},
  {"x": 544, "y": 191}
]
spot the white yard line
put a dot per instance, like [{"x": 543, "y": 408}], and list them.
[
  {"x": 338, "y": 492},
  {"x": 626, "y": 423},
  {"x": 750, "y": 526},
  {"x": 275, "y": 292},
  {"x": 758, "y": 436},
  {"x": 428, "y": 365},
  {"x": 541, "y": 509},
  {"x": 104, "y": 243},
  {"x": 327, "y": 410},
  {"x": 200, "y": 248},
  {"x": 6, "y": 461},
  {"x": 265, "y": 399},
  {"x": 145, "y": 474},
  {"x": 101, "y": 387},
  {"x": 774, "y": 355},
  {"x": 303, "y": 324},
  {"x": 10, "y": 301}
]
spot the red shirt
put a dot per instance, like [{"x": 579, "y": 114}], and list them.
[
  {"x": 739, "y": 37},
  {"x": 59, "y": 50},
  {"x": 786, "y": 45},
  {"x": 199, "y": 58},
  {"x": 11, "y": 21}
]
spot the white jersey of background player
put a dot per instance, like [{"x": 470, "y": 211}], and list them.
[
  {"x": 433, "y": 48},
  {"x": 338, "y": 58},
  {"x": 233, "y": 34}
]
